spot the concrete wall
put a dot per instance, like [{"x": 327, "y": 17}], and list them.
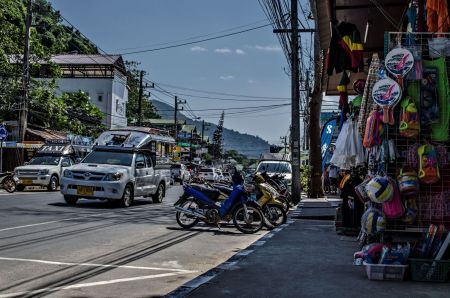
[{"x": 109, "y": 95}]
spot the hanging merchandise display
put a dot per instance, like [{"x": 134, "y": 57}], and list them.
[
  {"x": 409, "y": 125},
  {"x": 386, "y": 93},
  {"x": 428, "y": 164},
  {"x": 380, "y": 189},
  {"x": 367, "y": 101},
  {"x": 349, "y": 151},
  {"x": 399, "y": 61}
]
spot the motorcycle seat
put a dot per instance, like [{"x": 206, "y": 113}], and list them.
[
  {"x": 225, "y": 189},
  {"x": 211, "y": 193}
]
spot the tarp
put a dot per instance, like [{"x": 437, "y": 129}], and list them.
[{"x": 326, "y": 138}]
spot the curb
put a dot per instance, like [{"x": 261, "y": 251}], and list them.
[{"x": 233, "y": 261}]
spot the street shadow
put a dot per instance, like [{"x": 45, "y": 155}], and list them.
[
  {"x": 96, "y": 204},
  {"x": 209, "y": 229}
]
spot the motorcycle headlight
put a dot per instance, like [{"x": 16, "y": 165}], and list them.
[
  {"x": 43, "y": 172},
  {"x": 113, "y": 177},
  {"x": 68, "y": 173}
]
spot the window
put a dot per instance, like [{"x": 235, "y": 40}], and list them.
[
  {"x": 100, "y": 97},
  {"x": 110, "y": 158},
  {"x": 148, "y": 160},
  {"x": 140, "y": 158}
]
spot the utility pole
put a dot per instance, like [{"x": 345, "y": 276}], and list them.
[
  {"x": 284, "y": 143},
  {"x": 23, "y": 107},
  {"x": 203, "y": 128},
  {"x": 295, "y": 111},
  {"x": 175, "y": 116},
  {"x": 141, "y": 91}
]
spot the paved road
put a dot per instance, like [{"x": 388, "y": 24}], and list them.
[{"x": 94, "y": 249}]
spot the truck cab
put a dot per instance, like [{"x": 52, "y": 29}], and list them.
[
  {"x": 46, "y": 167},
  {"x": 121, "y": 166}
]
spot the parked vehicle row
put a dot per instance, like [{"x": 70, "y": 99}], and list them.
[{"x": 250, "y": 207}]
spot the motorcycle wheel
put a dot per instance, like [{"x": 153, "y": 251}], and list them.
[
  {"x": 285, "y": 203},
  {"x": 9, "y": 185},
  {"x": 275, "y": 215},
  {"x": 249, "y": 225},
  {"x": 186, "y": 220}
]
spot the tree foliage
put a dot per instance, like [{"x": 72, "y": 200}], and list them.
[{"x": 69, "y": 112}]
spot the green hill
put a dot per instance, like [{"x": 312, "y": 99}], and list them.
[{"x": 248, "y": 145}]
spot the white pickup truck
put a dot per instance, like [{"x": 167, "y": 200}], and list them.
[
  {"x": 121, "y": 166},
  {"x": 45, "y": 169}
]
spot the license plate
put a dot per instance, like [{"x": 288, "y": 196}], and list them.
[
  {"x": 27, "y": 181},
  {"x": 85, "y": 190}
]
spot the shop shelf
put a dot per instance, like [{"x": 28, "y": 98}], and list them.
[
  {"x": 429, "y": 270},
  {"x": 385, "y": 272}
]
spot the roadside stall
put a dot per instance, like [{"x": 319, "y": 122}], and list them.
[{"x": 394, "y": 147}]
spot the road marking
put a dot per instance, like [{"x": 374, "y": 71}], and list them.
[
  {"x": 244, "y": 252},
  {"x": 66, "y": 219},
  {"x": 259, "y": 243},
  {"x": 89, "y": 284},
  {"x": 96, "y": 265}
]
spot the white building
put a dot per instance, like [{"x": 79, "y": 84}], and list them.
[{"x": 102, "y": 77}]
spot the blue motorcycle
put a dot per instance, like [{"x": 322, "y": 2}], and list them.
[{"x": 200, "y": 202}]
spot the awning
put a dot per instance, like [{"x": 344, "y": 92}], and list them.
[{"x": 364, "y": 14}]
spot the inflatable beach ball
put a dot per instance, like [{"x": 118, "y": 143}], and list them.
[
  {"x": 373, "y": 222},
  {"x": 379, "y": 189}
]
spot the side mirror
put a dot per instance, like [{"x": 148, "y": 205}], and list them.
[
  {"x": 26, "y": 163},
  {"x": 78, "y": 160},
  {"x": 140, "y": 165},
  {"x": 65, "y": 164}
]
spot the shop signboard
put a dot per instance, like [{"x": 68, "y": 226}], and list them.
[{"x": 326, "y": 138}]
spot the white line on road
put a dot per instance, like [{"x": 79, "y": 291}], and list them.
[
  {"x": 66, "y": 219},
  {"x": 95, "y": 265},
  {"x": 89, "y": 284}
]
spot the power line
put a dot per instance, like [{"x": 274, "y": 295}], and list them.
[{"x": 194, "y": 42}]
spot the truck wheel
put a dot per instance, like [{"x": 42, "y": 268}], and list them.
[
  {"x": 127, "y": 197},
  {"x": 53, "y": 185},
  {"x": 70, "y": 200},
  {"x": 20, "y": 187},
  {"x": 159, "y": 195}
]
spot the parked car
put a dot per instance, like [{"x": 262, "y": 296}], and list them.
[
  {"x": 226, "y": 176},
  {"x": 209, "y": 174},
  {"x": 272, "y": 167},
  {"x": 179, "y": 172},
  {"x": 121, "y": 166}
]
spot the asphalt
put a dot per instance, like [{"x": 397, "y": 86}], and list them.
[{"x": 304, "y": 258}]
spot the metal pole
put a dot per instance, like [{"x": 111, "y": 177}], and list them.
[
  {"x": 23, "y": 108},
  {"x": 295, "y": 112},
  {"x": 175, "y": 117},
  {"x": 141, "y": 91}
]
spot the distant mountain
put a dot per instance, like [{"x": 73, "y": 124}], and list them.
[{"x": 249, "y": 145}]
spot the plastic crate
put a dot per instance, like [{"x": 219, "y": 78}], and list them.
[
  {"x": 429, "y": 270},
  {"x": 385, "y": 272}
]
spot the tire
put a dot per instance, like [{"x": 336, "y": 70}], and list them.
[
  {"x": 70, "y": 200},
  {"x": 159, "y": 195},
  {"x": 255, "y": 223},
  {"x": 285, "y": 202},
  {"x": 9, "y": 185},
  {"x": 187, "y": 205},
  {"x": 53, "y": 185},
  {"x": 20, "y": 187},
  {"x": 127, "y": 197},
  {"x": 275, "y": 215}
]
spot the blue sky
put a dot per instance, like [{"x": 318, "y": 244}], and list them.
[{"x": 251, "y": 63}]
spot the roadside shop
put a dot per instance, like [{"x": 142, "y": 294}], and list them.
[{"x": 393, "y": 141}]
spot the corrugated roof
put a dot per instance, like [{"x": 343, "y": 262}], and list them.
[
  {"x": 48, "y": 134},
  {"x": 85, "y": 59}
]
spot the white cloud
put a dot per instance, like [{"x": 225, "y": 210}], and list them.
[
  {"x": 240, "y": 52},
  {"x": 250, "y": 81},
  {"x": 268, "y": 48},
  {"x": 226, "y": 77},
  {"x": 198, "y": 49},
  {"x": 223, "y": 50}
]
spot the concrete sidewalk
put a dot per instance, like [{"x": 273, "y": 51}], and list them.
[{"x": 305, "y": 258}]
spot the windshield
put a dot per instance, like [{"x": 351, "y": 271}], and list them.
[
  {"x": 45, "y": 160},
  {"x": 274, "y": 167},
  {"x": 109, "y": 158}
]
